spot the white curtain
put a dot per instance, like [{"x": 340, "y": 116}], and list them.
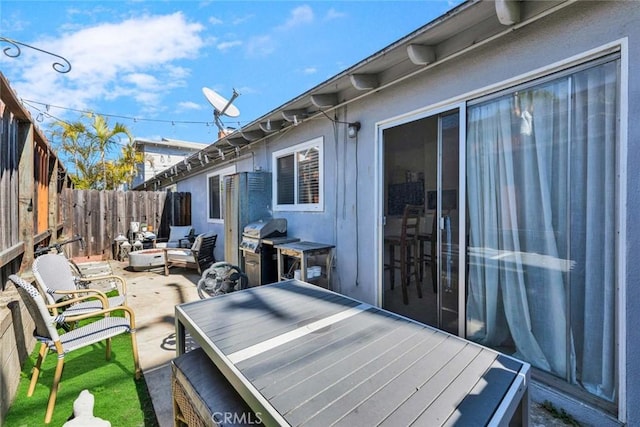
[{"x": 541, "y": 198}]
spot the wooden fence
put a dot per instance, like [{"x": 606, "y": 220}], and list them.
[
  {"x": 99, "y": 216},
  {"x": 31, "y": 180}
]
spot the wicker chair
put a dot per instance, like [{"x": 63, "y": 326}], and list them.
[
  {"x": 46, "y": 332},
  {"x": 56, "y": 280}
]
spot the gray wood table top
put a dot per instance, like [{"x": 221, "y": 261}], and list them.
[{"x": 302, "y": 355}]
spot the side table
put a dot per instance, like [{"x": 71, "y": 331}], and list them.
[{"x": 301, "y": 252}]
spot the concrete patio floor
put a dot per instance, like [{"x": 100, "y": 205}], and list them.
[{"x": 153, "y": 296}]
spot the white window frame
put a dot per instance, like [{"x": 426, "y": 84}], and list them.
[
  {"x": 314, "y": 207},
  {"x": 221, "y": 173}
]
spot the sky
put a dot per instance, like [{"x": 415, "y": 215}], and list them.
[{"x": 144, "y": 63}]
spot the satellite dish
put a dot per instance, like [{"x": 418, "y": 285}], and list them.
[{"x": 221, "y": 105}]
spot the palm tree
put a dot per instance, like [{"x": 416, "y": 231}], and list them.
[
  {"x": 71, "y": 136},
  {"x": 125, "y": 168},
  {"x": 88, "y": 142},
  {"x": 105, "y": 138}
]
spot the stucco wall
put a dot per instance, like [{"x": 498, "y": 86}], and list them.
[
  {"x": 16, "y": 343},
  {"x": 577, "y": 29},
  {"x": 163, "y": 157},
  {"x": 353, "y": 211}
]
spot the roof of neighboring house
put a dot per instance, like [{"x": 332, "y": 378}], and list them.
[
  {"x": 460, "y": 30},
  {"x": 175, "y": 143}
]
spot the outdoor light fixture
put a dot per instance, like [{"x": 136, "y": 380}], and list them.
[{"x": 352, "y": 129}]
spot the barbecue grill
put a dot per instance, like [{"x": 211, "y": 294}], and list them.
[{"x": 257, "y": 246}]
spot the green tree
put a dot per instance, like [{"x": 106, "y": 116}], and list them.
[
  {"x": 75, "y": 145},
  {"x": 124, "y": 169},
  {"x": 88, "y": 143},
  {"x": 70, "y": 134},
  {"x": 106, "y": 138}
]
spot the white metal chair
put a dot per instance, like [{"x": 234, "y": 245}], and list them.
[
  {"x": 56, "y": 280},
  {"x": 47, "y": 334}
]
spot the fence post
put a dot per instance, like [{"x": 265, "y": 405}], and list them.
[{"x": 26, "y": 189}]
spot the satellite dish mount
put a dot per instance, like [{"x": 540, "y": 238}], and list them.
[{"x": 221, "y": 107}]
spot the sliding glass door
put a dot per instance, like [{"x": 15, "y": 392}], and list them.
[
  {"x": 422, "y": 168},
  {"x": 446, "y": 225},
  {"x": 542, "y": 225}
]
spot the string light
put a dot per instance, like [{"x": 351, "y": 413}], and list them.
[{"x": 30, "y": 103}]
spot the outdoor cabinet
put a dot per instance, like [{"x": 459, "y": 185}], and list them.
[{"x": 248, "y": 199}]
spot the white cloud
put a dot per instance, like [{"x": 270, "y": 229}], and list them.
[
  {"x": 242, "y": 19},
  {"x": 247, "y": 90},
  {"x": 301, "y": 15},
  {"x": 215, "y": 21},
  {"x": 309, "y": 70},
  {"x": 224, "y": 46},
  {"x": 189, "y": 105},
  {"x": 134, "y": 58},
  {"x": 177, "y": 73},
  {"x": 264, "y": 45},
  {"x": 260, "y": 46},
  {"x": 12, "y": 23},
  {"x": 334, "y": 14},
  {"x": 141, "y": 80}
]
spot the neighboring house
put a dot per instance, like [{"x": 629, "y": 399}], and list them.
[
  {"x": 161, "y": 155},
  {"x": 511, "y": 122}
]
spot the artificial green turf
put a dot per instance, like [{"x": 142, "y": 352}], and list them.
[{"x": 119, "y": 398}]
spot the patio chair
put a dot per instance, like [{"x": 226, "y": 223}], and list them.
[
  {"x": 46, "y": 332},
  {"x": 200, "y": 256},
  {"x": 56, "y": 280},
  {"x": 180, "y": 236}
]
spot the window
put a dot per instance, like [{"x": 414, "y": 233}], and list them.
[
  {"x": 298, "y": 177},
  {"x": 541, "y": 188},
  {"x": 215, "y": 192}
]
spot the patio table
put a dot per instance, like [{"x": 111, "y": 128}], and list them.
[{"x": 299, "y": 354}]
